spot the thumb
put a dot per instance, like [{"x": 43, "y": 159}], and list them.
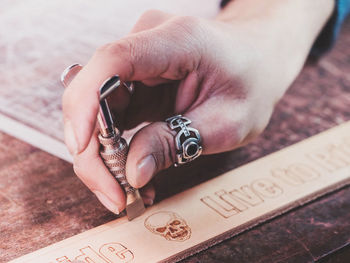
[{"x": 152, "y": 149}]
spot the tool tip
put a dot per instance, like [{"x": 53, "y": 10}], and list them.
[{"x": 135, "y": 209}]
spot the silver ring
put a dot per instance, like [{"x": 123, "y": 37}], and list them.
[{"x": 187, "y": 140}]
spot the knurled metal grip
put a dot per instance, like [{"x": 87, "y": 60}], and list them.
[{"x": 114, "y": 152}]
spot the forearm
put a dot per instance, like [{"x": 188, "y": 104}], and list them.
[
  {"x": 282, "y": 34},
  {"x": 299, "y": 21}
]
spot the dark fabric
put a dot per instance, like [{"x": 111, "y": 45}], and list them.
[
  {"x": 330, "y": 32},
  {"x": 224, "y": 2}
]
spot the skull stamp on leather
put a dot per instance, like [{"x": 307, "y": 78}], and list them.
[{"x": 168, "y": 225}]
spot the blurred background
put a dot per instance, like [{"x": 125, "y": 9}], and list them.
[
  {"x": 39, "y": 39},
  {"x": 42, "y": 201}
]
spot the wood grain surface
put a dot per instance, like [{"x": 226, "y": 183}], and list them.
[
  {"x": 42, "y": 202},
  {"x": 217, "y": 209}
]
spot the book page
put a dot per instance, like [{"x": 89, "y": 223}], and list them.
[{"x": 39, "y": 39}]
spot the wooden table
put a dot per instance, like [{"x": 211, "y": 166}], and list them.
[{"x": 42, "y": 201}]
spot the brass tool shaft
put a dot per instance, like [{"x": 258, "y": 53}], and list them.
[{"x": 114, "y": 149}]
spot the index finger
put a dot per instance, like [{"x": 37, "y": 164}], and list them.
[{"x": 139, "y": 56}]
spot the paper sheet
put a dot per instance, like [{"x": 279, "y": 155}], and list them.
[{"x": 39, "y": 39}]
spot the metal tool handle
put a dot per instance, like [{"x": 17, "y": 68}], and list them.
[{"x": 113, "y": 151}]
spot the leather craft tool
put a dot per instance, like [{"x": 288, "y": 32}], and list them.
[{"x": 114, "y": 148}]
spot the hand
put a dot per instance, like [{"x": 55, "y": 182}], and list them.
[{"x": 225, "y": 75}]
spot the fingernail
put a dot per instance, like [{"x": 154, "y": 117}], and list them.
[
  {"x": 69, "y": 138},
  {"x": 108, "y": 203},
  {"x": 145, "y": 170}
]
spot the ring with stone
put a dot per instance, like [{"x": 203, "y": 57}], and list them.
[{"x": 187, "y": 140}]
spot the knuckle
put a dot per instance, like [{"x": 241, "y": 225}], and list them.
[
  {"x": 121, "y": 52},
  {"x": 103, "y": 49},
  {"x": 150, "y": 14},
  {"x": 121, "y": 47},
  {"x": 186, "y": 30},
  {"x": 189, "y": 23}
]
